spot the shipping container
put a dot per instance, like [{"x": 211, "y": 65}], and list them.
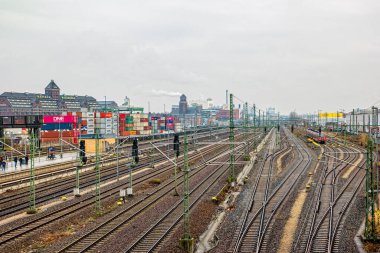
[
  {"x": 62, "y": 126},
  {"x": 105, "y": 115},
  {"x": 59, "y": 119}
]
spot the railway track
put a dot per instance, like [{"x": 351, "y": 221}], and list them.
[
  {"x": 322, "y": 227},
  {"x": 43, "y": 219},
  {"x": 266, "y": 200},
  {"x": 145, "y": 147},
  {"x": 154, "y": 235},
  {"x": 18, "y": 201}
]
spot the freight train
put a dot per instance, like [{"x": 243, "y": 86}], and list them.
[{"x": 317, "y": 136}]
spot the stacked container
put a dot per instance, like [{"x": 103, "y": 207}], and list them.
[
  {"x": 141, "y": 124},
  {"x": 178, "y": 127},
  {"x": 105, "y": 121},
  {"x": 161, "y": 125},
  {"x": 169, "y": 121},
  {"x": 122, "y": 123},
  {"x": 88, "y": 117},
  {"x": 154, "y": 124},
  {"x": 129, "y": 123}
]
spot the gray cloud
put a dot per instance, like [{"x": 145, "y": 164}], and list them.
[{"x": 307, "y": 55}]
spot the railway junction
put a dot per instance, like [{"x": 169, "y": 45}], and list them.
[{"x": 254, "y": 185}]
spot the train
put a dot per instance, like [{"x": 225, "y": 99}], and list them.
[{"x": 317, "y": 136}]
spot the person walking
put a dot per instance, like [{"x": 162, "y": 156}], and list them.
[
  {"x": 20, "y": 160},
  {"x": 26, "y": 159},
  {"x": 15, "y": 161},
  {"x": 2, "y": 163}
]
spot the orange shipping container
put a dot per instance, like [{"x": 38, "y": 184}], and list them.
[{"x": 106, "y": 114}]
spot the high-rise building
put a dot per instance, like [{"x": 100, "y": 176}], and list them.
[{"x": 182, "y": 105}]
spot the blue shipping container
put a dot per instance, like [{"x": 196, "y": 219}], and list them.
[{"x": 54, "y": 126}]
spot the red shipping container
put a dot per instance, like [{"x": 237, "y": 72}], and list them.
[
  {"x": 147, "y": 128},
  {"x": 144, "y": 120},
  {"x": 68, "y": 133},
  {"x": 69, "y": 113},
  {"x": 79, "y": 114},
  {"x": 106, "y": 114},
  {"x": 50, "y": 134},
  {"x": 122, "y": 116}
]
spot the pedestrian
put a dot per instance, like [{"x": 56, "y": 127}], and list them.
[
  {"x": 15, "y": 161},
  {"x": 20, "y": 160},
  {"x": 2, "y": 163},
  {"x": 26, "y": 159}
]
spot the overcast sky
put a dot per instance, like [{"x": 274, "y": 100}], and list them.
[{"x": 301, "y": 55}]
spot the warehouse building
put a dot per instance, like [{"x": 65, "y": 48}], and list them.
[{"x": 49, "y": 103}]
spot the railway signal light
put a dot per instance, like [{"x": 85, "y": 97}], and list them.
[
  {"x": 82, "y": 152},
  {"x": 176, "y": 144},
  {"x": 135, "y": 151},
  {"x": 176, "y": 149}
]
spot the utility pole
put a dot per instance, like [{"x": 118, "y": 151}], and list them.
[
  {"x": 117, "y": 141},
  {"x": 60, "y": 139},
  {"x": 32, "y": 147},
  {"x": 176, "y": 154},
  {"x": 278, "y": 129},
  {"x": 187, "y": 241},
  {"x": 370, "y": 228},
  {"x": 231, "y": 178},
  {"x": 259, "y": 117},
  {"x": 98, "y": 208},
  {"x": 375, "y": 114},
  {"x": 245, "y": 109},
  {"x": 254, "y": 125}
]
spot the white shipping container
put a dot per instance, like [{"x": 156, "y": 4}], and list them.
[
  {"x": 108, "y": 131},
  {"x": 83, "y": 110},
  {"x": 90, "y": 120},
  {"x": 109, "y": 126},
  {"x": 109, "y": 120},
  {"x": 90, "y": 126},
  {"x": 90, "y": 131},
  {"x": 90, "y": 114}
]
